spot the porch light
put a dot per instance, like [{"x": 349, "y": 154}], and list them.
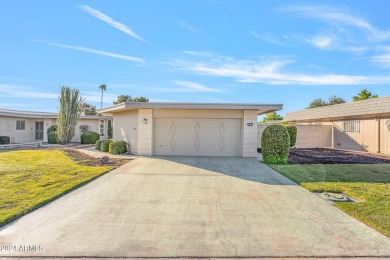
[{"x": 145, "y": 121}]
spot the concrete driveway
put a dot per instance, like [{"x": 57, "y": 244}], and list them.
[{"x": 186, "y": 206}]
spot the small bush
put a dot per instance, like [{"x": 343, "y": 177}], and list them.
[
  {"x": 275, "y": 144},
  {"x": 292, "y": 131},
  {"x": 118, "y": 147},
  {"x": 104, "y": 146},
  {"x": 109, "y": 132},
  {"x": 98, "y": 143},
  {"x": 52, "y": 138},
  {"x": 89, "y": 137},
  {"x": 5, "y": 140},
  {"x": 52, "y": 128}
]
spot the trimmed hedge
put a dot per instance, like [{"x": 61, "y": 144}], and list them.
[
  {"x": 52, "y": 128},
  {"x": 109, "y": 132},
  {"x": 5, "y": 139},
  {"x": 117, "y": 147},
  {"x": 275, "y": 144},
  {"x": 104, "y": 146},
  {"x": 292, "y": 131},
  {"x": 98, "y": 143},
  {"x": 52, "y": 138},
  {"x": 89, "y": 137}
]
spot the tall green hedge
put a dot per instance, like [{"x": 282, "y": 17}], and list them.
[
  {"x": 117, "y": 147},
  {"x": 104, "y": 146},
  {"x": 292, "y": 131},
  {"x": 52, "y": 138},
  {"x": 275, "y": 144},
  {"x": 98, "y": 144},
  {"x": 89, "y": 137},
  {"x": 5, "y": 140}
]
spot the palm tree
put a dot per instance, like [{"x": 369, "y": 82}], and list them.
[{"x": 102, "y": 88}]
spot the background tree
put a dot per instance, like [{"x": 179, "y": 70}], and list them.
[
  {"x": 68, "y": 114},
  {"x": 123, "y": 99},
  {"x": 89, "y": 110},
  {"x": 272, "y": 116},
  {"x": 364, "y": 94},
  {"x": 103, "y": 88},
  {"x": 318, "y": 102},
  {"x": 140, "y": 99},
  {"x": 333, "y": 100}
]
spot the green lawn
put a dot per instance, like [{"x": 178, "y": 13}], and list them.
[
  {"x": 368, "y": 183},
  {"x": 30, "y": 179}
]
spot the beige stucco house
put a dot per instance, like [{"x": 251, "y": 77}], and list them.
[
  {"x": 188, "y": 129},
  {"x": 29, "y": 126},
  {"x": 359, "y": 126}
]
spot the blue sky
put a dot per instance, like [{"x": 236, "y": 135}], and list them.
[{"x": 287, "y": 52}]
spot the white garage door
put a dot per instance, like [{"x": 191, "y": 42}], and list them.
[{"x": 197, "y": 137}]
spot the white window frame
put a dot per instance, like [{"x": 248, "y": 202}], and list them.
[
  {"x": 20, "y": 125},
  {"x": 102, "y": 122}
]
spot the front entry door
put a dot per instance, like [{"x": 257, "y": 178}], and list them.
[{"x": 39, "y": 130}]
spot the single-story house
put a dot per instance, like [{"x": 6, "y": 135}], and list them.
[
  {"x": 188, "y": 129},
  {"x": 29, "y": 126},
  {"x": 359, "y": 125}
]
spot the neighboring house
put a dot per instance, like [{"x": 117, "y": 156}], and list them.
[
  {"x": 359, "y": 126},
  {"x": 188, "y": 129},
  {"x": 29, "y": 126}
]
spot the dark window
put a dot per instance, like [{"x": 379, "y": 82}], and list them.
[
  {"x": 20, "y": 125},
  {"x": 352, "y": 126}
]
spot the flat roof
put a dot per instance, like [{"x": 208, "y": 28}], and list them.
[
  {"x": 368, "y": 108},
  {"x": 37, "y": 114},
  {"x": 261, "y": 108}
]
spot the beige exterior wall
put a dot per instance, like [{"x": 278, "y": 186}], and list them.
[
  {"x": 308, "y": 136},
  {"x": 125, "y": 128},
  {"x": 198, "y": 113},
  {"x": 145, "y": 133},
  {"x": 8, "y": 128},
  {"x": 249, "y": 134},
  {"x": 385, "y": 135}
]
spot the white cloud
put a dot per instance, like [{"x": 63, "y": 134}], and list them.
[
  {"x": 322, "y": 41},
  {"x": 383, "y": 60},
  {"x": 103, "y": 53},
  {"x": 16, "y": 91},
  {"x": 196, "y": 87},
  {"x": 268, "y": 38},
  {"x": 110, "y": 21},
  {"x": 188, "y": 26},
  {"x": 270, "y": 72},
  {"x": 340, "y": 18}
]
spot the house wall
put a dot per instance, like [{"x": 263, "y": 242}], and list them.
[
  {"x": 125, "y": 128},
  {"x": 8, "y": 128},
  {"x": 308, "y": 136},
  {"x": 365, "y": 140},
  {"x": 385, "y": 135},
  {"x": 249, "y": 134},
  {"x": 145, "y": 133}
]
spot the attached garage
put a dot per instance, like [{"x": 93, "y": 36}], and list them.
[{"x": 188, "y": 129}]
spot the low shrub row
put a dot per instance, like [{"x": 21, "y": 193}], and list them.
[
  {"x": 5, "y": 140},
  {"x": 113, "y": 147}
]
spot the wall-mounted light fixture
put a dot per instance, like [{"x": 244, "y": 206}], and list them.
[{"x": 145, "y": 121}]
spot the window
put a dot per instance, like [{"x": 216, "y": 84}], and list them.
[
  {"x": 20, "y": 125},
  {"x": 352, "y": 126},
  {"x": 109, "y": 123},
  {"x": 101, "y": 127}
]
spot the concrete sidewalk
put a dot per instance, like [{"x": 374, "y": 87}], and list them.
[{"x": 193, "y": 207}]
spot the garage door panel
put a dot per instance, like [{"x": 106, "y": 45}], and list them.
[{"x": 197, "y": 137}]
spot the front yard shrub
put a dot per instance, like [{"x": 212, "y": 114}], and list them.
[
  {"x": 292, "y": 131},
  {"x": 89, "y": 137},
  {"x": 275, "y": 144},
  {"x": 109, "y": 132},
  {"x": 98, "y": 144},
  {"x": 52, "y": 128},
  {"x": 5, "y": 140},
  {"x": 117, "y": 147},
  {"x": 52, "y": 138},
  {"x": 104, "y": 146},
  {"x": 83, "y": 128}
]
